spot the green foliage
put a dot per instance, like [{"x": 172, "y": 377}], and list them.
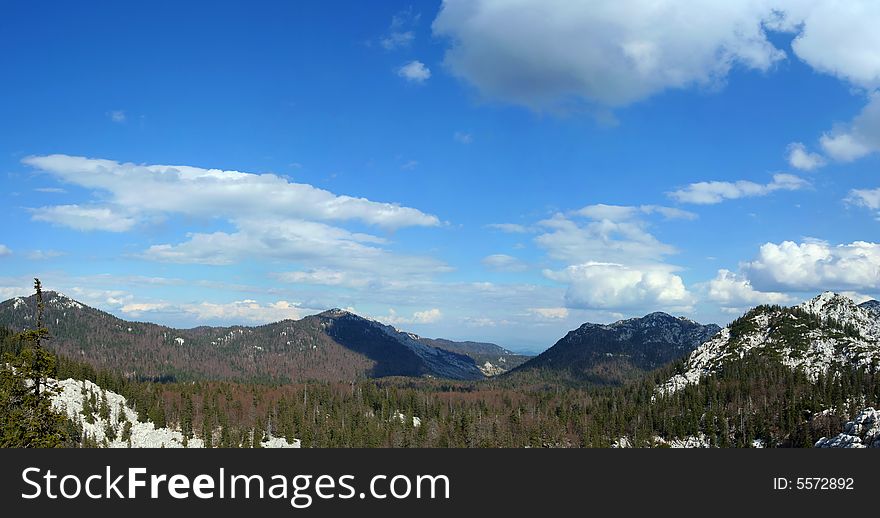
[{"x": 27, "y": 419}]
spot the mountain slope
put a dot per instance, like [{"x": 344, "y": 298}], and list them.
[
  {"x": 334, "y": 346},
  {"x": 120, "y": 427},
  {"x": 614, "y": 353},
  {"x": 826, "y": 332},
  {"x": 492, "y": 359}
]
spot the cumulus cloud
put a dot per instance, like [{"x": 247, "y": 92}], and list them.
[
  {"x": 503, "y": 263},
  {"x": 867, "y": 198},
  {"x": 540, "y": 53},
  {"x": 858, "y": 138},
  {"x": 414, "y": 72},
  {"x": 706, "y": 193},
  {"x": 5, "y": 250},
  {"x": 734, "y": 292},
  {"x": 596, "y": 285},
  {"x": 800, "y": 158},
  {"x": 837, "y": 38},
  {"x": 815, "y": 265}
]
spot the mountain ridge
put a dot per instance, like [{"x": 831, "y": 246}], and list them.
[
  {"x": 827, "y": 331},
  {"x": 616, "y": 352},
  {"x": 326, "y": 346}
]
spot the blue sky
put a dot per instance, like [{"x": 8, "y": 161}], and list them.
[{"x": 498, "y": 171}]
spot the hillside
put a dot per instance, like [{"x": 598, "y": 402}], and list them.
[
  {"x": 614, "y": 353},
  {"x": 829, "y": 331},
  {"x": 492, "y": 359},
  {"x": 333, "y": 346}
]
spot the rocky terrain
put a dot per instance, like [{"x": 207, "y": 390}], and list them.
[
  {"x": 861, "y": 432},
  {"x": 827, "y": 331}
]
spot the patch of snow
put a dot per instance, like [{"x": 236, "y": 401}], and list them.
[
  {"x": 69, "y": 399},
  {"x": 416, "y": 421},
  {"x": 179, "y": 340}
]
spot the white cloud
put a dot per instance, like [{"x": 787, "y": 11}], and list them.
[
  {"x": 5, "y": 250},
  {"x": 867, "y": 198},
  {"x": 414, "y": 72},
  {"x": 625, "y": 212},
  {"x": 85, "y": 218},
  {"x": 395, "y": 40},
  {"x": 325, "y": 277},
  {"x": 858, "y": 138},
  {"x": 706, "y": 193},
  {"x": 247, "y": 310},
  {"x": 270, "y": 217},
  {"x": 815, "y": 265},
  {"x": 540, "y": 53},
  {"x": 213, "y": 193},
  {"x": 462, "y": 137},
  {"x": 428, "y": 316},
  {"x": 510, "y": 228},
  {"x": 50, "y": 190},
  {"x": 800, "y": 158},
  {"x": 596, "y": 285},
  {"x": 42, "y": 255},
  {"x": 735, "y": 292},
  {"x": 625, "y": 241},
  {"x": 550, "y": 313},
  {"x": 838, "y": 38},
  {"x": 400, "y": 33},
  {"x": 504, "y": 263},
  {"x": 117, "y": 116}
]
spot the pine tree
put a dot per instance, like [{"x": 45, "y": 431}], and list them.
[{"x": 27, "y": 419}]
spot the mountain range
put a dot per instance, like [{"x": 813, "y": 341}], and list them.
[{"x": 335, "y": 345}]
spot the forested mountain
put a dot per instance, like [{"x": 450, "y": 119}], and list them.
[
  {"x": 829, "y": 331},
  {"x": 613, "y": 353},
  {"x": 333, "y": 346},
  {"x": 778, "y": 377},
  {"x": 492, "y": 359}
]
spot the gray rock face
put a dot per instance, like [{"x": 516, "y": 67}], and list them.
[{"x": 861, "y": 432}]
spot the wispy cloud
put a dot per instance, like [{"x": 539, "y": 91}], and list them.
[
  {"x": 117, "y": 116},
  {"x": 462, "y": 137},
  {"x": 707, "y": 193},
  {"x": 504, "y": 263}
]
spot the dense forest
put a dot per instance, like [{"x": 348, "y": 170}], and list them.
[{"x": 756, "y": 400}]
